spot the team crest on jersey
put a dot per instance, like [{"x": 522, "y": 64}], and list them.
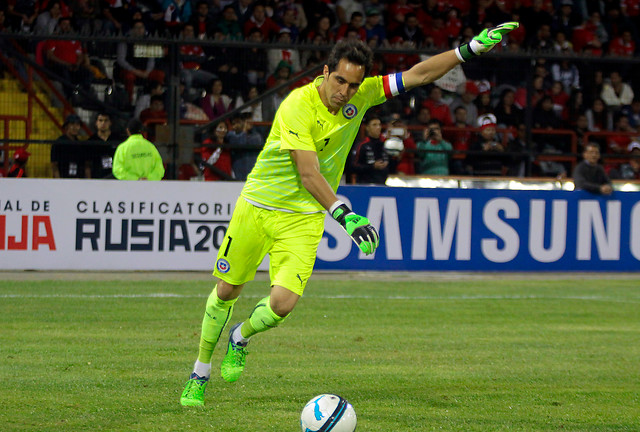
[
  {"x": 349, "y": 111},
  {"x": 223, "y": 265}
]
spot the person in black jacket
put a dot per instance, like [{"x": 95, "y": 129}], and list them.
[
  {"x": 589, "y": 175},
  {"x": 370, "y": 162}
]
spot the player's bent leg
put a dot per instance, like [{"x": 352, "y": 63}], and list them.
[{"x": 261, "y": 319}]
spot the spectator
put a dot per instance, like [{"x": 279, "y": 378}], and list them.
[
  {"x": 247, "y": 143},
  {"x": 620, "y": 137},
  {"x": 623, "y": 46},
  {"x": 370, "y": 163},
  {"x": 136, "y": 62},
  {"x": 460, "y": 139},
  {"x": 117, "y": 16},
  {"x": 435, "y": 152},
  {"x": 261, "y": 21},
  {"x": 156, "y": 112},
  {"x": 22, "y": 14},
  {"x": 543, "y": 41},
  {"x": 136, "y": 158},
  {"x": 277, "y": 55},
  {"x": 204, "y": 25},
  {"x": 213, "y": 159},
  {"x": 68, "y": 59},
  {"x": 488, "y": 157},
  {"x": 483, "y": 103},
  {"x": 410, "y": 31},
  {"x": 253, "y": 61},
  {"x": 631, "y": 169},
  {"x": 243, "y": 11},
  {"x": 518, "y": 150},
  {"x": 565, "y": 19},
  {"x": 270, "y": 104},
  {"x": 559, "y": 98},
  {"x": 573, "y": 108},
  {"x": 103, "y": 146},
  {"x": 567, "y": 73},
  {"x": 323, "y": 30},
  {"x": 282, "y": 72},
  {"x": 438, "y": 108},
  {"x": 47, "y": 21},
  {"x": 506, "y": 112},
  {"x": 192, "y": 57},
  {"x": 589, "y": 175},
  {"x": 176, "y": 13},
  {"x": 403, "y": 162},
  {"x": 616, "y": 94},
  {"x": 599, "y": 117},
  {"x": 228, "y": 24},
  {"x": 376, "y": 32},
  {"x": 467, "y": 94},
  {"x": 346, "y": 8},
  {"x": 633, "y": 112},
  {"x": 143, "y": 102},
  {"x": 289, "y": 17},
  {"x": 355, "y": 25},
  {"x": 215, "y": 103},
  {"x": 537, "y": 94},
  {"x": 69, "y": 157},
  {"x": 18, "y": 168}
]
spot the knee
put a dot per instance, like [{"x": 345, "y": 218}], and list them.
[
  {"x": 283, "y": 306},
  {"x": 227, "y": 291}
]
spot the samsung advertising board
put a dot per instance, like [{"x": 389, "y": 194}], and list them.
[
  {"x": 490, "y": 230},
  {"x": 112, "y": 225}
]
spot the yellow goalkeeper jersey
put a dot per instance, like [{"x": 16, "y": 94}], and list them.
[{"x": 303, "y": 122}]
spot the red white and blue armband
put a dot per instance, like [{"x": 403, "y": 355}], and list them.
[{"x": 393, "y": 84}]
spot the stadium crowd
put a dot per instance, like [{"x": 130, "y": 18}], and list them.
[{"x": 477, "y": 128}]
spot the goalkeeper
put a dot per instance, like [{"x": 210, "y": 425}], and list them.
[{"x": 281, "y": 208}]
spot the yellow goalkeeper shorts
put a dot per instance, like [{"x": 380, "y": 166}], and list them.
[{"x": 290, "y": 239}]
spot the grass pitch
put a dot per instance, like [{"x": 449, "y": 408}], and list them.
[{"x": 462, "y": 355}]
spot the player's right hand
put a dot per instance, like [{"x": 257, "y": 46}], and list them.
[{"x": 358, "y": 227}]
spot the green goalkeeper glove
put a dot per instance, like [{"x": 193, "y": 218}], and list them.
[
  {"x": 358, "y": 227},
  {"x": 485, "y": 41}
]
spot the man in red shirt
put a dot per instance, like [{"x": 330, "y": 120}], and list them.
[
  {"x": 438, "y": 108},
  {"x": 260, "y": 20},
  {"x": 68, "y": 59}
]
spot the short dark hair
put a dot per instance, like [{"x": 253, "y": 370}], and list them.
[
  {"x": 434, "y": 121},
  {"x": 356, "y": 52},
  {"x": 135, "y": 126},
  {"x": 371, "y": 117}
]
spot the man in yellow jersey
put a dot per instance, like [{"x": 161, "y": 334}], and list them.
[
  {"x": 137, "y": 158},
  {"x": 281, "y": 208}
]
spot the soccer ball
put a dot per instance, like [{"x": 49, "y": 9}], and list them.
[
  {"x": 328, "y": 412},
  {"x": 394, "y": 146}
]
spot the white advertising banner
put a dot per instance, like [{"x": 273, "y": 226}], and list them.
[{"x": 113, "y": 225}]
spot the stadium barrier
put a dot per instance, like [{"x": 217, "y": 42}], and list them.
[{"x": 108, "y": 225}]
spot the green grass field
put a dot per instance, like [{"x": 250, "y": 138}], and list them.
[{"x": 514, "y": 354}]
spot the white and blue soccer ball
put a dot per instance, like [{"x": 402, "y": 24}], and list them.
[
  {"x": 394, "y": 146},
  {"x": 328, "y": 413}
]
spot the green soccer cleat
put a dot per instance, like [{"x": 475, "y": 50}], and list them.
[
  {"x": 193, "y": 394},
  {"x": 233, "y": 362}
]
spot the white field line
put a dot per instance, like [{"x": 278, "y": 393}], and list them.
[{"x": 333, "y": 297}]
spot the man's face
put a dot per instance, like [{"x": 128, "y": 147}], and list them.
[
  {"x": 488, "y": 132},
  {"x": 187, "y": 32},
  {"x": 138, "y": 30},
  {"x": 591, "y": 154},
  {"x": 73, "y": 129},
  {"x": 340, "y": 85},
  {"x": 433, "y": 132},
  {"x": 65, "y": 26},
  {"x": 157, "y": 105},
  {"x": 461, "y": 115},
  {"x": 374, "y": 128},
  {"x": 103, "y": 123},
  {"x": 203, "y": 9}
]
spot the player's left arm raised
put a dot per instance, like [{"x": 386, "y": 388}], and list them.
[{"x": 434, "y": 67}]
